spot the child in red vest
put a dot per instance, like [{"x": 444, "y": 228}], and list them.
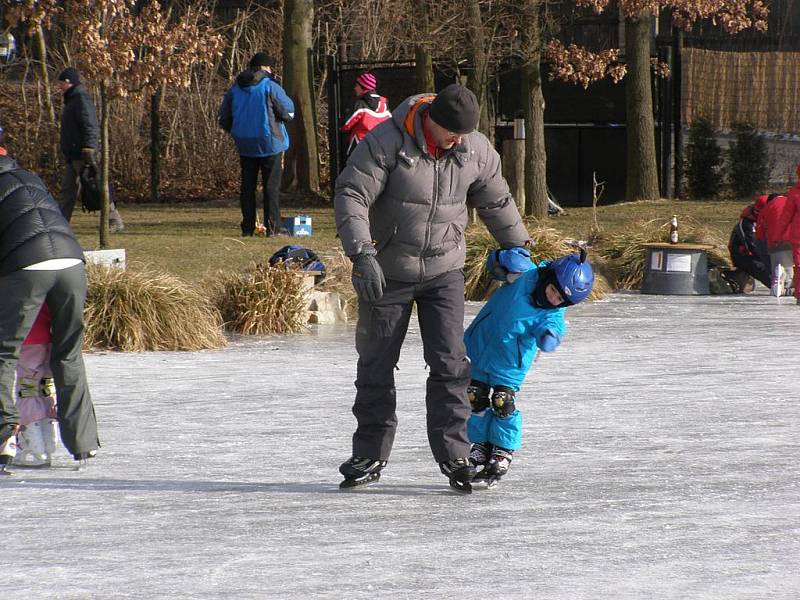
[
  {"x": 369, "y": 109},
  {"x": 36, "y": 439}
]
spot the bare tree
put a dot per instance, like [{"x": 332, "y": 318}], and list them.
[{"x": 302, "y": 158}]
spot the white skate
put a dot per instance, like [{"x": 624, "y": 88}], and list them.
[{"x": 32, "y": 445}]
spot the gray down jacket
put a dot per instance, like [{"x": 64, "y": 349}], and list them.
[{"x": 414, "y": 208}]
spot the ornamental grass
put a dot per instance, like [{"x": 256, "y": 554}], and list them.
[
  {"x": 262, "y": 300},
  {"x": 550, "y": 244},
  {"x": 139, "y": 308},
  {"x": 627, "y": 253}
]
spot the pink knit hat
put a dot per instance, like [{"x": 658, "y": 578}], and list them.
[{"x": 367, "y": 81}]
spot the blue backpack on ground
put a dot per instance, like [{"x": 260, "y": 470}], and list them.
[{"x": 304, "y": 258}]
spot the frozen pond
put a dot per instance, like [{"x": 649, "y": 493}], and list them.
[{"x": 661, "y": 459}]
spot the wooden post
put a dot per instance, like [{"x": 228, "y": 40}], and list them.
[{"x": 514, "y": 170}]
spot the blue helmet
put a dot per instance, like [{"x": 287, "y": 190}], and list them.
[{"x": 575, "y": 277}]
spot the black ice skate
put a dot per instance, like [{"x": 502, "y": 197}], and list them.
[
  {"x": 460, "y": 472},
  {"x": 360, "y": 471},
  {"x": 479, "y": 457}
]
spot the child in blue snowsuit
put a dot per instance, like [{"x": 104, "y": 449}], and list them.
[{"x": 522, "y": 317}]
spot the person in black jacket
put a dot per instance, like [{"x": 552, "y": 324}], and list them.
[
  {"x": 748, "y": 254},
  {"x": 79, "y": 142},
  {"x": 41, "y": 261}
]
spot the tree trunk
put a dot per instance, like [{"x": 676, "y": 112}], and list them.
[
  {"x": 155, "y": 146},
  {"x": 105, "y": 106},
  {"x": 478, "y": 78},
  {"x": 533, "y": 102},
  {"x": 423, "y": 69},
  {"x": 301, "y": 164},
  {"x": 642, "y": 170},
  {"x": 41, "y": 49}
]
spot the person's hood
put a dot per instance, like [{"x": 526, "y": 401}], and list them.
[
  {"x": 7, "y": 164},
  {"x": 250, "y": 78},
  {"x": 408, "y": 118}
]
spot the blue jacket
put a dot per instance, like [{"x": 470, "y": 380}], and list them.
[
  {"x": 254, "y": 111},
  {"x": 501, "y": 340}
]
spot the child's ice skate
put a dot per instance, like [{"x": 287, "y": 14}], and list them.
[
  {"x": 34, "y": 451},
  {"x": 479, "y": 457},
  {"x": 360, "y": 471},
  {"x": 498, "y": 466}
]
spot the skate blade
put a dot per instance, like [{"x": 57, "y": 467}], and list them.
[
  {"x": 461, "y": 486},
  {"x": 4, "y": 472},
  {"x": 46, "y": 465},
  {"x": 349, "y": 484}
]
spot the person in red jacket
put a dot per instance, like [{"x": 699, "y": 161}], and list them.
[
  {"x": 369, "y": 109},
  {"x": 773, "y": 227},
  {"x": 793, "y": 231}
]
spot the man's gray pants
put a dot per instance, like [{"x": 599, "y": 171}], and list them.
[
  {"x": 380, "y": 332},
  {"x": 23, "y": 293}
]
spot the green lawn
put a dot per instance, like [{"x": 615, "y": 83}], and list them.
[{"x": 194, "y": 241}]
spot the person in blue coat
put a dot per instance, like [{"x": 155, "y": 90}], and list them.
[
  {"x": 255, "y": 111},
  {"x": 521, "y": 318}
]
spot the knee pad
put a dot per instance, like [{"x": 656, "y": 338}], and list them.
[
  {"x": 503, "y": 401},
  {"x": 478, "y": 395}
]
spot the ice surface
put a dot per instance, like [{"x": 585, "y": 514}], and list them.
[{"x": 661, "y": 459}]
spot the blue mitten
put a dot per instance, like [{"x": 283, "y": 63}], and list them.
[
  {"x": 508, "y": 265},
  {"x": 548, "y": 341}
]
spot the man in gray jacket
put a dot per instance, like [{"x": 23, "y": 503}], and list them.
[{"x": 401, "y": 208}]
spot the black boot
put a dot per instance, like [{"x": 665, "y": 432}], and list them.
[
  {"x": 460, "y": 472},
  {"x": 360, "y": 471}
]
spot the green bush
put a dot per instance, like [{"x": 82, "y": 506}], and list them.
[
  {"x": 747, "y": 165},
  {"x": 703, "y": 160}
]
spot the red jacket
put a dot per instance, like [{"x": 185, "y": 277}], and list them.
[
  {"x": 369, "y": 111},
  {"x": 774, "y": 219}
]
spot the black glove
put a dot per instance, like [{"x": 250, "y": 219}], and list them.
[
  {"x": 88, "y": 155},
  {"x": 368, "y": 279}
]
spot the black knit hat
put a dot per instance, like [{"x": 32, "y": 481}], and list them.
[
  {"x": 70, "y": 74},
  {"x": 456, "y": 109},
  {"x": 261, "y": 59}
]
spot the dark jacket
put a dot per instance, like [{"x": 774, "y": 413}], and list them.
[
  {"x": 254, "y": 111},
  {"x": 32, "y": 228},
  {"x": 79, "y": 127},
  {"x": 414, "y": 208}
]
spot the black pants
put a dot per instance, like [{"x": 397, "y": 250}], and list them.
[
  {"x": 380, "y": 333},
  {"x": 270, "y": 168},
  {"x": 24, "y": 292}
]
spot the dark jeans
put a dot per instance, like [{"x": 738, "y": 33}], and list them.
[
  {"x": 70, "y": 189},
  {"x": 270, "y": 168},
  {"x": 380, "y": 333},
  {"x": 24, "y": 292}
]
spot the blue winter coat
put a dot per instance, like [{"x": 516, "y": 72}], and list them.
[
  {"x": 501, "y": 340},
  {"x": 254, "y": 111}
]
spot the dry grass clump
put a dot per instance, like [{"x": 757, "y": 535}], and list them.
[
  {"x": 262, "y": 300},
  {"x": 626, "y": 250},
  {"x": 138, "y": 309},
  {"x": 550, "y": 244}
]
